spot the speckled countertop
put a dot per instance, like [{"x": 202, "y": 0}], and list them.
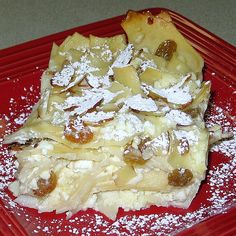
[{"x": 24, "y": 20}]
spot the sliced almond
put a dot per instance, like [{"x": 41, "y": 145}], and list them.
[
  {"x": 93, "y": 105},
  {"x": 142, "y": 143},
  {"x": 123, "y": 59},
  {"x": 151, "y": 113},
  {"x": 92, "y": 81},
  {"x": 216, "y": 134},
  {"x": 179, "y": 117},
  {"x": 82, "y": 105},
  {"x": 70, "y": 108},
  {"x": 77, "y": 85},
  {"x": 97, "y": 118},
  {"x": 109, "y": 107},
  {"x": 154, "y": 94},
  {"x": 138, "y": 103},
  {"x": 133, "y": 156},
  {"x": 159, "y": 146},
  {"x": 63, "y": 78},
  {"x": 176, "y": 94},
  {"x": 76, "y": 81},
  {"x": 18, "y": 146},
  {"x": 202, "y": 95}
]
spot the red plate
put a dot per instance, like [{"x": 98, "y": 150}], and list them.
[{"x": 214, "y": 206}]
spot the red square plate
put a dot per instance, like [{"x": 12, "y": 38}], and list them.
[{"x": 212, "y": 212}]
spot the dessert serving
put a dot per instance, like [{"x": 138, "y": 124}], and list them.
[{"x": 119, "y": 123}]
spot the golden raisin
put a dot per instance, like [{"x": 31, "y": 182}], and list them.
[
  {"x": 81, "y": 135},
  {"x": 180, "y": 177},
  {"x": 166, "y": 49},
  {"x": 46, "y": 186},
  {"x": 133, "y": 156},
  {"x": 85, "y": 135}
]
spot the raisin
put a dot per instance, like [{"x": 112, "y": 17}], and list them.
[
  {"x": 46, "y": 186},
  {"x": 85, "y": 135},
  {"x": 81, "y": 135},
  {"x": 180, "y": 177},
  {"x": 166, "y": 49}
]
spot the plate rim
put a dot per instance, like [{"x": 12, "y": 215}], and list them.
[{"x": 9, "y": 53}]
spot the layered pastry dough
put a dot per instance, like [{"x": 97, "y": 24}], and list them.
[{"x": 119, "y": 123}]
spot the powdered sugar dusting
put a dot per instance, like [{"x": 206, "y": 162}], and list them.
[
  {"x": 87, "y": 104},
  {"x": 191, "y": 135},
  {"x": 179, "y": 117},
  {"x": 178, "y": 94},
  {"x": 147, "y": 64},
  {"x": 221, "y": 194},
  {"x": 227, "y": 147},
  {"x": 20, "y": 120},
  {"x": 82, "y": 104},
  {"x": 141, "y": 104},
  {"x": 123, "y": 58},
  {"x": 125, "y": 126},
  {"x": 161, "y": 142},
  {"x": 63, "y": 77},
  {"x": 97, "y": 117}
]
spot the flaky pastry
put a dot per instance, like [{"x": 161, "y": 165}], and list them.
[{"x": 119, "y": 123}]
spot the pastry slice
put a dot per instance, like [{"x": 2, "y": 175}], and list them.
[{"x": 119, "y": 123}]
